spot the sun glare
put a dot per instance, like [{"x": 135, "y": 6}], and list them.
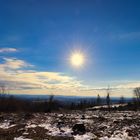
[{"x": 77, "y": 59}]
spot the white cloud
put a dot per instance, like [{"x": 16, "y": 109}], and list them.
[
  {"x": 125, "y": 35},
  {"x": 129, "y": 85},
  {"x": 8, "y": 50},
  {"x": 20, "y": 75},
  {"x": 13, "y": 63}
]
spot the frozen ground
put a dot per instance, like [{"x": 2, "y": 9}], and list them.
[{"x": 99, "y": 125}]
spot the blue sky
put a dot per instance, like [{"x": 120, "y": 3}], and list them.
[{"x": 45, "y": 32}]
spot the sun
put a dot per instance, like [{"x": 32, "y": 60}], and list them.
[{"x": 77, "y": 59}]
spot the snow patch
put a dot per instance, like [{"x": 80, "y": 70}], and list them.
[
  {"x": 87, "y": 136},
  {"x": 21, "y": 138},
  {"x": 6, "y": 125}
]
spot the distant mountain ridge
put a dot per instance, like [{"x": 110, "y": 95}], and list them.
[{"x": 66, "y": 98}]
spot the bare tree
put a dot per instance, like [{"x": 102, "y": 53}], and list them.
[
  {"x": 137, "y": 94},
  {"x": 51, "y": 102},
  {"x": 51, "y": 97},
  {"x": 3, "y": 90},
  {"x": 108, "y": 101},
  {"x": 98, "y": 101},
  {"x": 122, "y": 100}
]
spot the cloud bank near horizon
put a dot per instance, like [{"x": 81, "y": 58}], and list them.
[{"x": 20, "y": 76}]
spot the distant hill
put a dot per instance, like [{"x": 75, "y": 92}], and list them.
[{"x": 67, "y": 99}]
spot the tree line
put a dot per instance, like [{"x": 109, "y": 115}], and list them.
[{"x": 10, "y": 103}]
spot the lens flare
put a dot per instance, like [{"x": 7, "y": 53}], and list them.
[{"x": 77, "y": 59}]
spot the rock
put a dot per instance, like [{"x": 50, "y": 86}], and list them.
[
  {"x": 79, "y": 129},
  {"x": 1, "y": 118},
  {"x": 132, "y": 133},
  {"x": 83, "y": 117},
  {"x": 60, "y": 138},
  {"x": 116, "y": 122},
  {"x": 124, "y": 115},
  {"x": 101, "y": 118},
  {"x": 60, "y": 124},
  {"x": 102, "y": 127},
  {"x": 28, "y": 116}
]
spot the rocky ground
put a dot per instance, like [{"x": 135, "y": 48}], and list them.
[{"x": 76, "y": 125}]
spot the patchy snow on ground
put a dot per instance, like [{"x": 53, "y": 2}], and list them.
[
  {"x": 21, "y": 138},
  {"x": 123, "y": 136},
  {"x": 6, "y": 125},
  {"x": 87, "y": 136},
  {"x": 101, "y": 125},
  {"x": 106, "y": 106}
]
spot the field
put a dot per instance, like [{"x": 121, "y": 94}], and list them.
[{"x": 74, "y": 125}]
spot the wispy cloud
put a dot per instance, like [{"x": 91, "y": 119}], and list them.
[
  {"x": 13, "y": 63},
  {"x": 8, "y": 50},
  {"x": 20, "y": 75},
  {"x": 129, "y": 85},
  {"x": 130, "y": 35},
  {"x": 125, "y": 35}
]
